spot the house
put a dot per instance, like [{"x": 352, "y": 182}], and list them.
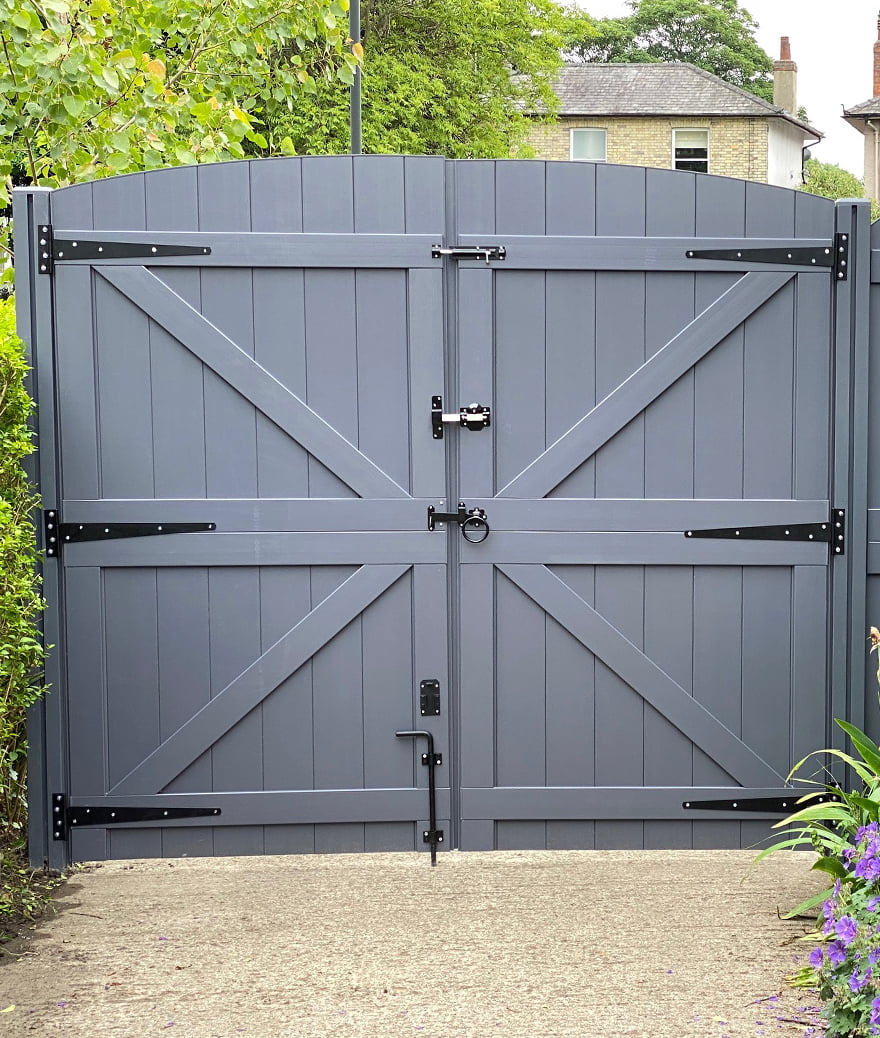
[
  {"x": 865, "y": 117},
  {"x": 678, "y": 116}
]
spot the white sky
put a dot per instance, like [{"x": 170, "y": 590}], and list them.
[{"x": 832, "y": 45}]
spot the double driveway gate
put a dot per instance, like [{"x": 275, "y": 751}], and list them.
[{"x": 552, "y": 461}]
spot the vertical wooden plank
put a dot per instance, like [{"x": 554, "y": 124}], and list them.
[
  {"x": 228, "y": 303},
  {"x": 571, "y": 198},
  {"x": 717, "y": 655},
  {"x": 520, "y": 649},
  {"x": 122, "y": 357},
  {"x": 331, "y": 364},
  {"x": 669, "y": 643},
  {"x": 809, "y": 642},
  {"x": 620, "y": 749},
  {"x": 621, "y": 209},
  {"x": 570, "y": 366},
  {"x": 668, "y": 835},
  {"x": 812, "y": 391},
  {"x": 670, "y": 203},
  {"x": 570, "y": 722},
  {"x": 338, "y": 700},
  {"x": 184, "y": 661},
  {"x": 477, "y": 668},
  {"x": 520, "y": 836},
  {"x": 813, "y": 216},
  {"x": 426, "y": 379},
  {"x": 620, "y": 200},
  {"x": 328, "y": 194},
  {"x": 134, "y": 843},
  {"x": 769, "y": 211},
  {"x": 288, "y": 762},
  {"x": 234, "y": 611},
  {"x": 520, "y": 373},
  {"x": 279, "y": 324},
  {"x": 389, "y": 691},
  {"x": 571, "y": 836},
  {"x": 132, "y": 668},
  {"x": 766, "y": 654},
  {"x": 76, "y": 384},
  {"x": 721, "y": 207},
  {"x": 89, "y": 845},
  {"x": 768, "y": 407},
  {"x": 86, "y": 681},
  {"x": 424, "y": 184},
  {"x": 339, "y": 839},
  {"x": 520, "y": 204},
  {"x": 475, "y": 197},
  {"x": 378, "y": 194},
  {"x": 238, "y": 840},
  {"x": 385, "y": 411},
  {"x": 276, "y": 195},
  {"x": 476, "y": 380},
  {"x": 389, "y": 836},
  {"x": 190, "y": 842},
  {"x": 713, "y": 836},
  {"x": 289, "y": 839},
  {"x": 614, "y": 835},
  {"x": 177, "y": 386}
]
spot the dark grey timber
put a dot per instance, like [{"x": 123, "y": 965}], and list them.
[{"x": 596, "y": 668}]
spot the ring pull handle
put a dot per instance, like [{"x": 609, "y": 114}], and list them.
[{"x": 475, "y": 529}]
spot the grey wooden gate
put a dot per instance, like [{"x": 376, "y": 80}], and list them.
[{"x": 257, "y": 345}]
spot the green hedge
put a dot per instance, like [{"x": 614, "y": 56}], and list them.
[{"x": 21, "y": 651}]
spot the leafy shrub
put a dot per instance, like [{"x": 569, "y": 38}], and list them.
[
  {"x": 21, "y": 651},
  {"x": 844, "y": 830}
]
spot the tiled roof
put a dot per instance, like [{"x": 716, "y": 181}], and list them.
[
  {"x": 661, "y": 88},
  {"x": 866, "y": 108}
]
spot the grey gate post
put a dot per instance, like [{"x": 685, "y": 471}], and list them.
[
  {"x": 850, "y": 469},
  {"x": 33, "y": 299}
]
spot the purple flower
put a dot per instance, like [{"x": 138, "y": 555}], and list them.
[
  {"x": 836, "y": 953},
  {"x": 856, "y": 983},
  {"x": 875, "y": 1011},
  {"x": 816, "y": 958},
  {"x": 868, "y": 869},
  {"x": 872, "y": 904},
  {"x": 874, "y": 956},
  {"x": 846, "y": 928}
]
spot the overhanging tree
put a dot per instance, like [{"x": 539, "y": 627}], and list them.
[
  {"x": 447, "y": 77},
  {"x": 715, "y": 35},
  {"x": 89, "y": 88}
]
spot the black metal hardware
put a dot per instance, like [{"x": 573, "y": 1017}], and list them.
[
  {"x": 473, "y": 417},
  {"x": 431, "y": 760},
  {"x": 470, "y": 252},
  {"x": 833, "y": 532},
  {"x": 54, "y": 250},
  {"x": 834, "y": 255},
  {"x": 767, "y": 805},
  {"x": 65, "y": 817},
  {"x": 471, "y": 520},
  {"x": 57, "y": 534},
  {"x": 429, "y": 697}
]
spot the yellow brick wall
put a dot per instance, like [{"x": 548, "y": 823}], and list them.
[{"x": 737, "y": 147}]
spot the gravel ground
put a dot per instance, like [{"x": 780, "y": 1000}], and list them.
[{"x": 593, "y": 944}]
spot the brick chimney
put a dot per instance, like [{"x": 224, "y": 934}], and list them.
[
  {"x": 785, "y": 76},
  {"x": 877, "y": 61}
]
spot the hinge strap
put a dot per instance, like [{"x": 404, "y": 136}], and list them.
[
  {"x": 56, "y": 534},
  {"x": 835, "y": 255},
  {"x": 833, "y": 532}
]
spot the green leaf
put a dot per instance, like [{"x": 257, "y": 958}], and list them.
[
  {"x": 867, "y": 749},
  {"x": 811, "y": 902},
  {"x": 74, "y": 105},
  {"x": 833, "y": 866}
]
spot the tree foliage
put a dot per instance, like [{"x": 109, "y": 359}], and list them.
[
  {"x": 89, "y": 88},
  {"x": 448, "y": 77},
  {"x": 715, "y": 35},
  {"x": 21, "y": 653},
  {"x": 830, "y": 181}
]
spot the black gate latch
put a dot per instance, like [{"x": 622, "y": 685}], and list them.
[
  {"x": 473, "y": 417},
  {"x": 471, "y": 521},
  {"x": 432, "y": 836}
]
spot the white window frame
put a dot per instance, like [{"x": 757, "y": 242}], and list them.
[
  {"x": 588, "y": 129},
  {"x": 690, "y": 129}
]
